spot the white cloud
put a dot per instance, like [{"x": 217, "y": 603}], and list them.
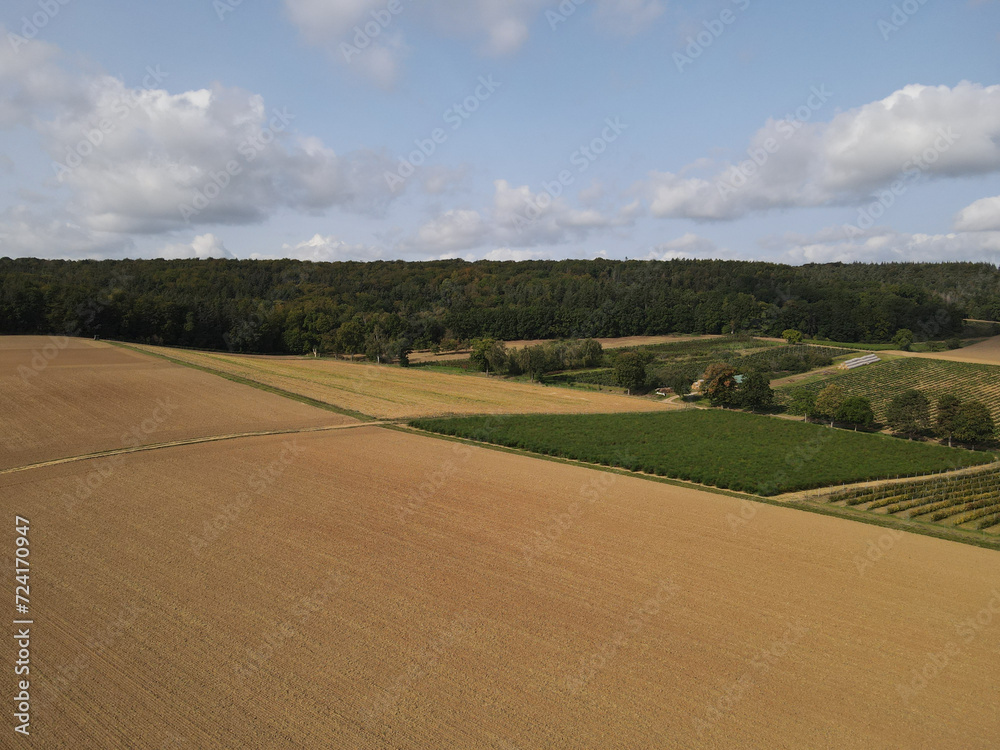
[
  {"x": 981, "y": 216},
  {"x": 365, "y": 36},
  {"x": 27, "y": 233},
  {"x": 689, "y": 245},
  {"x": 146, "y": 160},
  {"x": 201, "y": 247},
  {"x": 517, "y": 218},
  {"x": 832, "y": 245},
  {"x": 919, "y": 130},
  {"x": 33, "y": 81},
  {"x": 321, "y": 249}
]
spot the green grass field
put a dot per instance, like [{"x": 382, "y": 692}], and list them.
[
  {"x": 730, "y": 450},
  {"x": 882, "y": 381}
]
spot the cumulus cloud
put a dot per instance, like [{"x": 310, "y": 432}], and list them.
[
  {"x": 329, "y": 248},
  {"x": 918, "y": 131},
  {"x": 687, "y": 246},
  {"x": 201, "y": 247},
  {"x": 981, "y": 216},
  {"x": 836, "y": 245},
  {"x": 28, "y": 233},
  {"x": 146, "y": 160},
  {"x": 34, "y": 80},
  {"x": 517, "y": 218}
]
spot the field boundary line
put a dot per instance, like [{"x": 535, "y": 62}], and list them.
[
  {"x": 187, "y": 441},
  {"x": 961, "y": 536},
  {"x": 252, "y": 383},
  {"x": 818, "y": 493}
]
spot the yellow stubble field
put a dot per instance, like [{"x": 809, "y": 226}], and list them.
[
  {"x": 389, "y": 392},
  {"x": 370, "y": 588}
]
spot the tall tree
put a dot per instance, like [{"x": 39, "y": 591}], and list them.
[
  {"x": 856, "y": 410},
  {"x": 720, "y": 385},
  {"x": 974, "y": 424},
  {"x": 630, "y": 371},
  {"x": 909, "y": 413},
  {"x": 903, "y": 339},
  {"x": 828, "y": 402},
  {"x": 755, "y": 392},
  {"x": 947, "y": 411}
]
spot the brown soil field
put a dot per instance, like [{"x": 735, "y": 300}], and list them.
[
  {"x": 390, "y": 392},
  {"x": 614, "y": 343},
  {"x": 88, "y": 396},
  {"x": 369, "y": 588}
]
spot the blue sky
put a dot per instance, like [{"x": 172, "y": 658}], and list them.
[{"x": 795, "y": 132}]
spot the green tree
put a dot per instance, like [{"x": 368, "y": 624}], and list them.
[
  {"x": 828, "y": 402},
  {"x": 803, "y": 402},
  {"x": 720, "y": 385},
  {"x": 947, "y": 412},
  {"x": 792, "y": 336},
  {"x": 630, "y": 371},
  {"x": 489, "y": 355},
  {"x": 856, "y": 410},
  {"x": 974, "y": 424},
  {"x": 755, "y": 392},
  {"x": 909, "y": 413},
  {"x": 591, "y": 353},
  {"x": 903, "y": 339}
]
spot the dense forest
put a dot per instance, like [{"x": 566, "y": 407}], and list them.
[{"x": 384, "y": 308}]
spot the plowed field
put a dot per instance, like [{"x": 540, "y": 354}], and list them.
[
  {"x": 373, "y": 589},
  {"x": 67, "y": 397}
]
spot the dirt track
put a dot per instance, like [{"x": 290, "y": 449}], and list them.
[{"x": 390, "y": 590}]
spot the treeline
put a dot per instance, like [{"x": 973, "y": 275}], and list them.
[
  {"x": 964, "y": 421},
  {"x": 383, "y": 309}
]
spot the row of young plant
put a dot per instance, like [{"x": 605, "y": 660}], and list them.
[{"x": 968, "y": 499}]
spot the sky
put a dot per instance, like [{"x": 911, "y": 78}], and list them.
[{"x": 861, "y": 130}]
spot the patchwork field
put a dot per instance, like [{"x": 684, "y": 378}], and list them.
[
  {"x": 66, "y": 397},
  {"x": 732, "y": 450},
  {"x": 390, "y": 392},
  {"x": 374, "y": 589},
  {"x": 935, "y": 377}
]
